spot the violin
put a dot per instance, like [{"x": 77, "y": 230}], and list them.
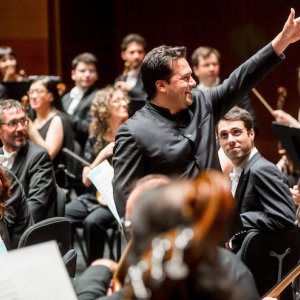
[{"x": 171, "y": 255}]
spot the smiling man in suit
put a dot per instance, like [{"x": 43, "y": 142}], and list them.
[
  {"x": 259, "y": 188},
  {"x": 78, "y": 101},
  {"x": 30, "y": 163}
]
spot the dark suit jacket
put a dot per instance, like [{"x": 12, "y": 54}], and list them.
[
  {"x": 33, "y": 168},
  {"x": 263, "y": 196},
  {"x": 17, "y": 215},
  {"x": 81, "y": 116},
  {"x": 154, "y": 141}
]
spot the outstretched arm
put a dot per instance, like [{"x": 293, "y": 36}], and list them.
[{"x": 289, "y": 34}]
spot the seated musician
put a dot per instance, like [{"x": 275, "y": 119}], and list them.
[
  {"x": 51, "y": 128},
  {"x": 261, "y": 190}
]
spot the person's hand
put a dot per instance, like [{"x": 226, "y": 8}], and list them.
[
  {"x": 291, "y": 28},
  {"x": 107, "y": 151},
  {"x": 123, "y": 85},
  {"x": 296, "y": 194},
  {"x": 285, "y": 118},
  {"x": 289, "y": 34},
  {"x": 31, "y": 130},
  {"x": 110, "y": 264},
  {"x": 85, "y": 180}
]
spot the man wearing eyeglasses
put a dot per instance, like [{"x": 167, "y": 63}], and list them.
[
  {"x": 260, "y": 189},
  {"x": 264, "y": 202},
  {"x": 29, "y": 162}
]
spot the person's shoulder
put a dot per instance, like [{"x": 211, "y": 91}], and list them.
[
  {"x": 36, "y": 150},
  {"x": 65, "y": 97}
]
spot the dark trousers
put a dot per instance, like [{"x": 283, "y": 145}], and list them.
[{"x": 95, "y": 220}]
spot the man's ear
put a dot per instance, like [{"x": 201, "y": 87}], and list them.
[
  {"x": 195, "y": 71},
  {"x": 160, "y": 85},
  {"x": 252, "y": 134},
  {"x": 73, "y": 75},
  {"x": 123, "y": 55}
]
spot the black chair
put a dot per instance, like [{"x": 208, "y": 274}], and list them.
[
  {"x": 70, "y": 259},
  {"x": 61, "y": 200},
  {"x": 270, "y": 256},
  {"x": 113, "y": 240},
  {"x": 58, "y": 229}
]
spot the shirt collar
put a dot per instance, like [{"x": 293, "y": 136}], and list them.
[{"x": 239, "y": 169}]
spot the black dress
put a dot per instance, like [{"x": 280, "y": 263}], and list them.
[{"x": 61, "y": 160}]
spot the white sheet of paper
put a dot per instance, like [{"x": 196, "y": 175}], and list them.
[
  {"x": 34, "y": 273},
  {"x": 101, "y": 177}
]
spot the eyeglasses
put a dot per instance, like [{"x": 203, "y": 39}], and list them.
[
  {"x": 236, "y": 132},
  {"x": 91, "y": 71},
  {"x": 118, "y": 101},
  {"x": 38, "y": 91},
  {"x": 14, "y": 123}
]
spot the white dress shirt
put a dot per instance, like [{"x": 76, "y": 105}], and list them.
[
  {"x": 237, "y": 172},
  {"x": 76, "y": 94},
  {"x": 7, "y": 158}
]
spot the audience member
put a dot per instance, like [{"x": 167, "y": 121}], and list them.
[
  {"x": 133, "y": 48},
  {"x": 51, "y": 128},
  {"x": 109, "y": 110},
  {"x": 261, "y": 190},
  {"x": 17, "y": 215},
  {"x": 92, "y": 284},
  {"x": 78, "y": 101},
  {"x": 29, "y": 162},
  {"x": 174, "y": 132}
]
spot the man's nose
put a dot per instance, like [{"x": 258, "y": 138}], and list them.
[
  {"x": 231, "y": 138},
  {"x": 192, "y": 82}
]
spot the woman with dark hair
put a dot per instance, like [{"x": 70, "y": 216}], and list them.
[
  {"x": 9, "y": 69},
  {"x": 4, "y": 195},
  {"x": 50, "y": 126}
]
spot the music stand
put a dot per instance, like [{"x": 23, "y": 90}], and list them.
[
  {"x": 290, "y": 141},
  {"x": 16, "y": 89}
]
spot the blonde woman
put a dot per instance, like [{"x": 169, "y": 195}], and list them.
[{"x": 109, "y": 110}]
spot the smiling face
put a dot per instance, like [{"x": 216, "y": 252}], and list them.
[
  {"x": 236, "y": 141},
  {"x": 39, "y": 96},
  {"x": 13, "y": 136},
  {"x": 119, "y": 106},
  {"x": 177, "y": 92}
]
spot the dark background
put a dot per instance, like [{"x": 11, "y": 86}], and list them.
[{"x": 237, "y": 28}]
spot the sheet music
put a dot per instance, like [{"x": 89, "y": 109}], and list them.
[
  {"x": 34, "y": 273},
  {"x": 101, "y": 176}
]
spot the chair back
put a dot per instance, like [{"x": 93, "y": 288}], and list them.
[
  {"x": 270, "y": 256},
  {"x": 70, "y": 259},
  {"x": 61, "y": 200},
  {"x": 56, "y": 228}
]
